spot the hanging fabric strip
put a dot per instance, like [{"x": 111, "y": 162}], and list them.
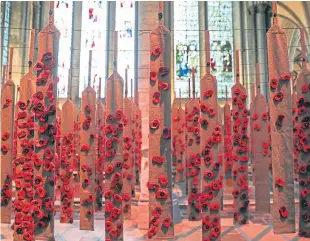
[
  {"x": 160, "y": 178},
  {"x": 7, "y": 123},
  {"x": 303, "y": 97},
  {"x": 211, "y": 167},
  {"x": 240, "y": 148},
  {"x": 44, "y": 107},
  {"x": 27, "y": 89},
  {"x": 87, "y": 154},
  {"x": 113, "y": 192},
  {"x": 280, "y": 104},
  {"x": 261, "y": 148}
]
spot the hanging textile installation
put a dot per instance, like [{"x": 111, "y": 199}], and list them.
[
  {"x": 87, "y": 154},
  {"x": 44, "y": 109},
  {"x": 303, "y": 97},
  {"x": 227, "y": 143},
  {"x": 280, "y": 104},
  {"x": 99, "y": 163},
  {"x": 260, "y": 148},
  {"x": 128, "y": 152},
  {"x": 193, "y": 159},
  {"x": 211, "y": 167},
  {"x": 221, "y": 44},
  {"x": 113, "y": 167},
  {"x": 240, "y": 149},
  {"x": 67, "y": 156},
  {"x": 186, "y": 43},
  {"x": 160, "y": 180},
  {"x": 24, "y": 145},
  {"x": 7, "y": 122}
]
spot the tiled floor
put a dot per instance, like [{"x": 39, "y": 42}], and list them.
[{"x": 259, "y": 230}]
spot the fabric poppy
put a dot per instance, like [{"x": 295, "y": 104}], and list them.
[
  {"x": 167, "y": 222},
  {"x": 87, "y": 108},
  {"x": 163, "y": 180},
  {"x": 152, "y": 231},
  {"x": 304, "y": 88},
  {"x": 154, "y": 221},
  {"x": 161, "y": 194},
  {"x": 157, "y": 51},
  {"x": 85, "y": 147},
  {"x": 208, "y": 93},
  {"x": 283, "y": 212},
  {"x": 274, "y": 83},
  {"x": 278, "y": 96},
  {"x": 163, "y": 85},
  {"x": 154, "y": 125},
  {"x": 158, "y": 159},
  {"x": 156, "y": 97},
  {"x": 166, "y": 133},
  {"x": 214, "y": 206},
  {"x": 118, "y": 198},
  {"x": 208, "y": 174},
  {"x": 153, "y": 76},
  {"x": 286, "y": 76},
  {"x": 40, "y": 192},
  {"x": 48, "y": 153},
  {"x": 163, "y": 71},
  {"x": 279, "y": 182}
]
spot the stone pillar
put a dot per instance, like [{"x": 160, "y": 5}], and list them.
[
  {"x": 75, "y": 52},
  {"x": 203, "y": 25},
  {"x": 44, "y": 14},
  {"x": 146, "y": 21},
  {"x": 249, "y": 53},
  {"x": 261, "y": 48},
  {"x": 111, "y": 20}
]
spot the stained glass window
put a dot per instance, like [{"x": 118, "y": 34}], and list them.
[
  {"x": 125, "y": 21},
  {"x": 63, "y": 22},
  {"x": 221, "y": 41},
  {"x": 94, "y": 16},
  {"x": 186, "y": 44}
]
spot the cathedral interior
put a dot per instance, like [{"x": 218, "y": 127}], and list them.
[{"x": 155, "y": 120}]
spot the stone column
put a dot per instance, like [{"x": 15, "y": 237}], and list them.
[
  {"x": 111, "y": 20},
  {"x": 75, "y": 52},
  {"x": 147, "y": 20},
  {"x": 260, "y": 17},
  {"x": 203, "y": 25},
  {"x": 249, "y": 53}
]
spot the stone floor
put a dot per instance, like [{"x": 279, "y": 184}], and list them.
[{"x": 258, "y": 229}]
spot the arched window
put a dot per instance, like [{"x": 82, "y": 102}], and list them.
[
  {"x": 94, "y": 16},
  {"x": 221, "y": 41},
  {"x": 186, "y": 45},
  {"x": 63, "y": 22},
  {"x": 125, "y": 22}
]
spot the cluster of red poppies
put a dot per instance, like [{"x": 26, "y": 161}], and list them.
[
  {"x": 67, "y": 154},
  {"x": 138, "y": 142},
  {"x": 301, "y": 152},
  {"x": 113, "y": 130},
  {"x": 178, "y": 144},
  {"x": 240, "y": 155},
  {"x": 211, "y": 226},
  {"x": 155, "y": 222}
]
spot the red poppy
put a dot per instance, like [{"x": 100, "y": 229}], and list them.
[
  {"x": 87, "y": 108},
  {"x": 243, "y": 96},
  {"x": 163, "y": 85},
  {"x": 278, "y": 96},
  {"x": 156, "y": 97},
  {"x": 161, "y": 194},
  {"x": 40, "y": 192},
  {"x": 108, "y": 225},
  {"x": 48, "y": 153},
  {"x": 154, "y": 125},
  {"x": 211, "y": 111},
  {"x": 279, "y": 182},
  {"x": 214, "y": 206},
  {"x": 152, "y": 231},
  {"x": 208, "y": 174},
  {"x": 85, "y": 147},
  {"x": 236, "y": 193},
  {"x": 157, "y": 51},
  {"x": 256, "y": 127},
  {"x": 283, "y": 212},
  {"x": 38, "y": 181},
  {"x": 286, "y": 76},
  {"x": 5, "y": 136},
  {"x": 302, "y": 169},
  {"x": 203, "y": 107},
  {"x": 158, "y": 159},
  {"x": 167, "y": 221},
  {"x": 304, "y": 192},
  {"x": 118, "y": 198},
  {"x": 274, "y": 83},
  {"x": 304, "y": 88},
  {"x": 4, "y": 148},
  {"x": 163, "y": 180},
  {"x": 153, "y": 76},
  {"x": 208, "y": 93}
]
